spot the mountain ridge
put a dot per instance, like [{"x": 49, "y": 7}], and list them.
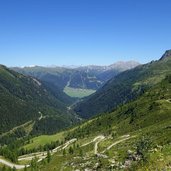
[
  {"x": 25, "y": 99},
  {"x": 166, "y": 55},
  {"x": 80, "y": 66},
  {"x": 124, "y": 87}
]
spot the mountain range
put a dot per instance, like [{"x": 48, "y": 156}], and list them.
[
  {"x": 85, "y": 77},
  {"x": 125, "y": 87},
  {"x": 124, "y": 125}
]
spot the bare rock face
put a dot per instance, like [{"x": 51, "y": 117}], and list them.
[{"x": 166, "y": 55}]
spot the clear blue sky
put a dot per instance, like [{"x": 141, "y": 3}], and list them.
[{"x": 75, "y": 32}]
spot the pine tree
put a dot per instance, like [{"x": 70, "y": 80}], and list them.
[
  {"x": 80, "y": 152},
  {"x": 25, "y": 168},
  {"x": 4, "y": 168},
  {"x": 13, "y": 169},
  {"x": 71, "y": 150},
  {"x": 48, "y": 156},
  {"x": 64, "y": 152}
]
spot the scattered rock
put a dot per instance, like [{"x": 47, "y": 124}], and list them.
[
  {"x": 96, "y": 166},
  {"x": 112, "y": 161},
  {"x": 129, "y": 152},
  {"x": 102, "y": 155},
  {"x": 127, "y": 163},
  {"x": 87, "y": 169}
]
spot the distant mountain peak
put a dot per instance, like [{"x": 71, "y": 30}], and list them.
[
  {"x": 124, "y": 65},
  {"x": 126, "y": 62},
  {"x": 167, "y": 54}
]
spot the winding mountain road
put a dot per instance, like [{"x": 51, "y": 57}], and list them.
[
  {"x": 39, "y": 155},
  {"x": 124, "y": 138},
  {"x": 96, "y": 144},
  {"x": 94, "y": 140},
  {"x": 42, "y": 155},
  {"x": 168, "y": 100},
  {"x": 12, "y": 165}
]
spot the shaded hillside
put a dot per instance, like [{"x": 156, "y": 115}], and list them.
[
  {"x": 124, "y": 87},
  {"x": 24, "y": 99},
  {"x": 54, "y": 79}
]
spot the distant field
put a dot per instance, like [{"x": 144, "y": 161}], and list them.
[
  {"x": 44, "y": 139},
  {"x": 77, "y": 92}
]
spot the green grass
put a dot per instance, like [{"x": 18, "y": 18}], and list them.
[
  {"x": 160, "y": 159},
  {"x": 44, "y": 139},
  {"x": 146, "y": 119},
  {"x": 77, "y": 92}
]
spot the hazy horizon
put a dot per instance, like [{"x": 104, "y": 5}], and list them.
[{"x": 72, "y": 65}]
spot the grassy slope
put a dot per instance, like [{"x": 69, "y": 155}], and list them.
[
  {"x": 44, "y": 139},
  {"x": 149, "y": 116}
]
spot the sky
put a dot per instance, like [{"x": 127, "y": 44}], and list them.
[{"x": 83, "y": 32}]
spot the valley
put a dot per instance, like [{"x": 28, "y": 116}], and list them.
[
  {"x": 131, "y": 132},
  {"x": 85, "y": 85},
  {"x": 78, "y": 92}
]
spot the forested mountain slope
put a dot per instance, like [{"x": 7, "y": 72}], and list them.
[
  {"x": 24, "y": 99},
  {"x": 125, "y": 87}
]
